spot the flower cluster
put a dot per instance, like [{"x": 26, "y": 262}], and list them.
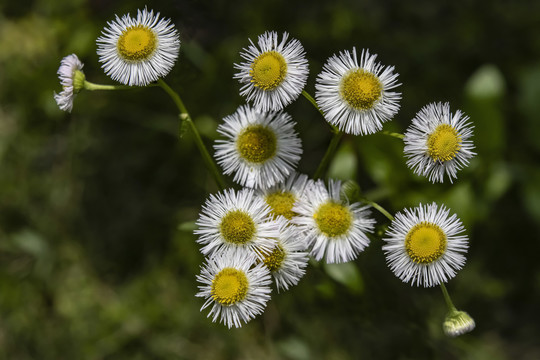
[{"x": 264, "y": 230}]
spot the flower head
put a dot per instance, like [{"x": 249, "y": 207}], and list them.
[
  {"x": 288, "y": 260},
  {"x": 236, "y": 220},
  {"x": 424, "y": 246},
  {"x": 235, "y": 287},
  {"x": 282, "y": 197},
  {"x": 137, "y": 51},
  {"x": 438, "y": 143},
  {"x": 458, "y": 323},
  {"x": 72, "y": 80},
  {"x": 261, "y": 149},
  {"x": 355, "y": 95},
  {"x": 273, "y": 74},
  {"x": 334, "y": 229}
]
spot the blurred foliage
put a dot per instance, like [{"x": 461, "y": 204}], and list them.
[{"x": 97, "y": 256}]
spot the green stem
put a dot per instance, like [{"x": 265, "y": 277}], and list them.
[
  {"x": 184, "y": 116},
  {"x": 393, "y": 134},
  {"x": 330, "y": 151},
  {"x": 447, "y": 299},
  {"x": 91, "y": 86},
  {"x": 312, "y": 101},
  {"x": 379, "y": 208}
]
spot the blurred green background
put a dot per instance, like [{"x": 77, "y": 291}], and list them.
[{"x": 97, "y": 256}]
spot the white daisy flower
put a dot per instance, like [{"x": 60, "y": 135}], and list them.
[
  {"x": 273, "y": 74},
  {"x": 261, "y": 148},
  {"x": 355, "y": 96},
  {"x": 424, "y": 246},
  {"x": 235, "y": 287},
  {"x": 334, "y": 229},
  {"x": 236, "y": 220},
  {"x": 438, "y": 143},
  {"x": 72, "y": 80},
  {"x": 137, "y": 51},
  {"x": 282, "y": 197},
  {"x": 288, "y": 260}
]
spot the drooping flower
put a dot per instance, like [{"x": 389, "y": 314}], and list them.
[{"x": 72, "y": 80}]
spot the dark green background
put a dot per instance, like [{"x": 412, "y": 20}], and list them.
[{"x": 94, "y": 265}]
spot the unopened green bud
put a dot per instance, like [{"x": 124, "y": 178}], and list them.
[{"x": 458, "y": 323}]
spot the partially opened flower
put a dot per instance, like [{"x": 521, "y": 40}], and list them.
[
  {"x": 334, "y": 229},
  {"x": 438, "y": 143},
  {"x": 282, "y": 197},
  {"x": 356, "y": 95},
  {"x": 458, "y": 323},
  {"x": 261, "y": 149},
  {"x": 424, "y": 245},
  {"x": 273, "y": 74},
  {"x": 288, "y": 260},
  {"x": 235, "y": 287},
  {"x": 137, "y": 51},
  {"x": 72, "y": 80},
  {"x": 236, "y": 220}
]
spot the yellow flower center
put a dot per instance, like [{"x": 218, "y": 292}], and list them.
[
  {"x": 256, "y": 144},
  {"x": 333, "y": 219},
  {"x": 361, "y": 89},
  {"x": 137, "y": 43},
  {"x": 281, "y": 203},
  {"x": 237, "y": 227},
  {"x": 229, "y": 286},
  {"x": 443, "y": 143},
  {"x": 274, "y": 259},
  {"x": 425, "y": 242},
  {"x": 268, "y": 70}
]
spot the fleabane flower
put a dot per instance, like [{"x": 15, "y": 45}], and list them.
[
  {"x": 72, "y": 80},
  {"x": 333, "y": 228},
  {"x": 288, "y": 260},
  {"x": 282, "y": 196},
  {"x": 438, "y": 143},
  {"x": 235, "y": 287},
  {"x": 137, "y": 51},
  {"x": 236, "y": 220},
  {"x": 355, "y": 95},
  {"x": 274, "y": 73},
  {"x": 261, "y": 148},
  {"x": 424, "y": 245}
]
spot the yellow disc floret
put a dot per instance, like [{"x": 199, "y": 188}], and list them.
[
  {"x": 281, "y": 203},
  {"x": 333, "y": 219},
  {"x": 425, "y": 243},
  {"x": 237, "y": 227},
  {"x": 229, "y": 286},
  {"x": 256, "y": 144},
  {"x": 361, "y": 89},
  {"x": 274, "y": 259},
  {"x": 137, "y": 43},
  {"x": 268, "y": 70},
  {"x": 443, "y": 143}
]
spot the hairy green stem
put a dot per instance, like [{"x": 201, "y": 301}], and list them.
[
  {"x": 91, "y": 86},
  {"x": 393, "y": 134},
  {"x": 312, "y": 101},
  {"x": 447, "y": 299},
  {"x": 379, "y": 208},
  {"x": 330, "y": 151},
  {"x": 184, "y": 116}
]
